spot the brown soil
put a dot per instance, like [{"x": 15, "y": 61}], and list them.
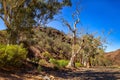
[
  {"x": 114, "y": 57},
  {"x": 100, "y": 73}
]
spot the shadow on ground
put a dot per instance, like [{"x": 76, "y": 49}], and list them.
[
  {"x": 85, "y": 75},
  {"x": 65, "y": 74}
]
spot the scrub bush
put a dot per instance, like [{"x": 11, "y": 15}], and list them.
[{"x": 12, "y": 55}]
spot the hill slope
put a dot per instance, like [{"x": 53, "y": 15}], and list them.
[
  {"x": 114, "y": 57},
  {"x": 43, "y": 41}
]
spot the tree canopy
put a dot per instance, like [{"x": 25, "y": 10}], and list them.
[{"x": 18, "y": 14}]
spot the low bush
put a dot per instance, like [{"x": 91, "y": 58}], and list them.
[
  {"x": 63, "y": 63},
  {"x": 54, "y": 62},
  {"x": 47, "y": 55},
  {"x": 12, "y": 55},
  {"x": 77, "y": 64},
  {"x": 59, "y": 63},
  {"x": 42, "y": 62},
  {"x": 39, "y": 69}
]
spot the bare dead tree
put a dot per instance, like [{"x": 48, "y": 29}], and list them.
[{"x": 73, "y": 29}]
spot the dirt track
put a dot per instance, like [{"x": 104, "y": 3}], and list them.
[
  {"x": 91, "y": 74},
  {"x": 77, "y": 74}
]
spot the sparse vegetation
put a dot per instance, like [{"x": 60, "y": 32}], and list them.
[
  {"x": 78, "y": 64},
  {"x": 29, "y": 45},
  {"x": 12, "y": 55},
  {"x": 59, "y": 63}
]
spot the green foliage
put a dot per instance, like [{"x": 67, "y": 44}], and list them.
[
  {"x": 62, "y": 63},
  {"x": 3, "y": 37},
  {"x": 12, "y": 55},
  {"x": 51, "y": 41},
  {"x": 35, "y": 60},
  {"x": 39, "y": 69},
  {"x": 53, "y": 61},
  {"x": 47, "y": 55},
  {"x": 59, "y": 63},
  {"x": 42, "y": 62},
  {"x": 18, "y": 14},
  {"x": 92, "y": 50},
  {"x": 78, "y": 64}
]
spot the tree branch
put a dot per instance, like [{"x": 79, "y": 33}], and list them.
[
  {"x": 76, "y": 22},
  {"x": 80, "y": 47},
  {"x": 2, "y": 18},
  {"x": 67, "y": 24},
  {"x": 6, "y": 23},
  {"x": 18, "y": 3},
  {"x": 77, "y": 16}
]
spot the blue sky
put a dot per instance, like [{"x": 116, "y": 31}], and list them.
[
  {"x": 96, "y": 15},
  {"x": 103, "y": 15}
]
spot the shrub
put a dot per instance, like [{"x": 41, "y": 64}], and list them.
[
  {"x": 59, "y": 63},
  {"x": 12, "y": 55},
  {"x": 42, "y": 62},
  {"x": 77, "y": 64},
  {"x": 63, "y": 63},
  {"x": 47, "y": 55},
  {"x": 53, "y": 61},
  {"x": 39, "y": 69}
]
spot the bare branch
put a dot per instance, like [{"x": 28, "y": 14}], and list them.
[
  {"x": 6, "y": 23},
  {"x": 67, "y": 24},
  {"x": 80, "y": 48},
  {"x": 76, "y": 16},
  {"x": 75, "y": 23},
  {"x": 2, "y": 18},
  {"x": 18, "y": 3}
]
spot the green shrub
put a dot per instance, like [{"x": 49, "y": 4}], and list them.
[
  {"x": 42, "y": 62},
  {"x": 39, "y": 69},
  {"x": 59, "y": 63},
  {"x": 47, "y": 55},
  {"x": 77, "y": 64},
  {"x": 63, "y": 63},
  {"x": 53, "y": 61},
  {"x": 12, "y": 55}
]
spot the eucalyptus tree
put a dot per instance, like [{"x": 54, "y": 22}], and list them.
[
  {"x": 20, "y": 14},
  {"x": 74, "y": 30},
  {"x": 92, "y": 48}
]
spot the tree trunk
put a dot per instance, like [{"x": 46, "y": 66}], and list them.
[
  {"x": 88, "y": 63},
  {"x": 74, "y": 31},
  {"x": 73, "y": 57},
  {"x": 72, "y": 61}
]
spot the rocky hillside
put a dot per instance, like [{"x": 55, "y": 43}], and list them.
[
  {"x": 51, "y": 32},
  {"x": 114, "y": 57},
  {"x": 44, "y": 41}
]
